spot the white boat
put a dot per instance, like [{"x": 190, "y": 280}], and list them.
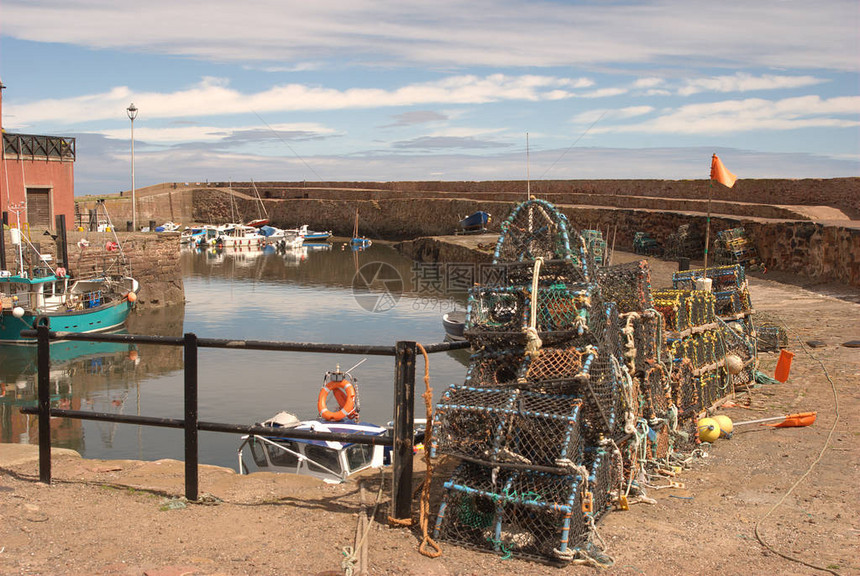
[
  {"x": 330, "y": 461},
  {"x": 239, "y": 235}
]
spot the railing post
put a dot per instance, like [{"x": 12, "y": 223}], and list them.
[
  {"x": 404, "y": 426},
  {"x": 191, "y": 432},
  {"x": 43, "y": 346}
]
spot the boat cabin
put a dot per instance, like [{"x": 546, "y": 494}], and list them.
[{"x": 329, "y": 461}]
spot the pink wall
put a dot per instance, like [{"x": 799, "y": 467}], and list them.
[
  {"x": 53, "y": 174},
  {"x": 58, "y": 176}
]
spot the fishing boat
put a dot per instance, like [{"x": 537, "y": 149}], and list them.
[
  {"x": 475, "y": 222},
  {"x": 454, "y": 323},
  {"x": 313, "y": 237},
  {"x": 330, "y": 461},
  {"x": 41, "y": 293}
]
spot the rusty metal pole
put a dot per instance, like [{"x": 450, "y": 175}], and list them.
[
  {"x": 404, "y": 425},
  {"x": 191, "y": 417},
  {"x": 43, "y": 347}
]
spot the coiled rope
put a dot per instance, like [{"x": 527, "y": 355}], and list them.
[{"x": 424, "y": 504}]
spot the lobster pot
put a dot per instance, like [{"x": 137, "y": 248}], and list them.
[
  {"x": 655, "y": 391},
  {"x": 729, "y": 287},
  {"x": 489, "y": 369},
  {"x": 735, "y": 343},
  {"x": 602, "y": 399},
  {"x": 495, "y": 315},
  {"x": 670, "y": 304},
  {"x": 770, "y": 335},
  {"x": 555, "y": 369},
  {"x": 628, "y": 285},
  {"x": 535, "y": 229},
  {"x": 496, "y": 426},
  {"x": 713, "y": 385},
  {"x": 683, "y": 387},
  {"x": 657, "y": 443},
  {"x": 524, "y": 514},
  {"x": 550, "y": 272},
  {"x": 605, "y": 477},
  {"x": 563, "y": 311},
  {"x": 646, "y": 338}
]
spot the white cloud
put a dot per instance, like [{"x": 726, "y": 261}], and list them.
[
  {"x": 734, "y": 116},
  {"x": 173, "y": 135},
  {"x": 732, "y": 33},
  {"x": 213, "y": 97},
  {"x": 741, "y": 82}
]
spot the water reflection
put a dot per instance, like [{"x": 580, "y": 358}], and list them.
[{"x": 302, "y": 295}]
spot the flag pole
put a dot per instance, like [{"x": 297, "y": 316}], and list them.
[{"x": 708, "y": 226}]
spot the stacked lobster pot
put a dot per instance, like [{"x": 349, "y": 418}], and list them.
[
  {"x": 735, "y": 338},
  {"x": 544, "y": 398}
]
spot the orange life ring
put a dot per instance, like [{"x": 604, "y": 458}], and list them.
[
  {"x": 61, "y": 272},
  {"x": 344, "y": 393},
  {"x": 111, "y": 246}
]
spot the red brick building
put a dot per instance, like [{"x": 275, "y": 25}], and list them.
[{"x": 37, "y": 175}]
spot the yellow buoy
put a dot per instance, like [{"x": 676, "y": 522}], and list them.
[
  {"x": 726, "y": 425},
  {"x": 709, "y": 429}
]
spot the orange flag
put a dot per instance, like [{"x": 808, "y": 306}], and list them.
[{"x": 720, "y": 174}]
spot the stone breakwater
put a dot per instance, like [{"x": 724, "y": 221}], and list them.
[{"x": 819, "y": 251}]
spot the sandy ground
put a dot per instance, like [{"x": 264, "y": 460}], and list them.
[{"x": 126, "y": 518}]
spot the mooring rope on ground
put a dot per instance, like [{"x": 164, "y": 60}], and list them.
[{"x": 761, "y": 520}]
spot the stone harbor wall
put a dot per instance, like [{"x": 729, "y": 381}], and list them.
[
  {"x": 817, "y": 251},
  {"x": 154, "y": 260}
]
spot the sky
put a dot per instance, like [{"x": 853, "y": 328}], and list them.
[{"x": 385, "y": 90}]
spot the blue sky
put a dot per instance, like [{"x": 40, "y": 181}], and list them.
[{"x": 443, "y": 90}]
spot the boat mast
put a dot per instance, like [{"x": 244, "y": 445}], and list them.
[
  {"x": 528, "y": 171},
  {"x": 355, "y": 228}
]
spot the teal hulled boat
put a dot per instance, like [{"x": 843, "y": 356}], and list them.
[{"x": 67, "y": 305}]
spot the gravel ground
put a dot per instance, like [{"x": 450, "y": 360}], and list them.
[{"x": 126, "y": 518}]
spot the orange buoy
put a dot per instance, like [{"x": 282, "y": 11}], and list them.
[
  {"x": 132, "y": 297},
  {"x": 783, "y": 366}
]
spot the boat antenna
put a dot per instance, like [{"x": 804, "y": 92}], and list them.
[
  {"x": 362, "y": 361},
  {"x": 587, "y": 130},
  {"x": 528, "y": 171}
]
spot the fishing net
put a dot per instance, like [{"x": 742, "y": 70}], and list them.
[{"x": 508, "y": 426}]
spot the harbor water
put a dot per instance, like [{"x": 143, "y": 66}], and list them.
[{"x": 325, "y": 294}]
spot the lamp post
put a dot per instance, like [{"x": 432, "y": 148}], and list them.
[{"x": 132, "y": 114}]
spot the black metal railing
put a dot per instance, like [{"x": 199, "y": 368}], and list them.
[
  {"x": 32, "y": 146},
  {"x": 404, "y": 353}
]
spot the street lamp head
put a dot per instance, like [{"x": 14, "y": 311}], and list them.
[{"x": 132, "y": 111}]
